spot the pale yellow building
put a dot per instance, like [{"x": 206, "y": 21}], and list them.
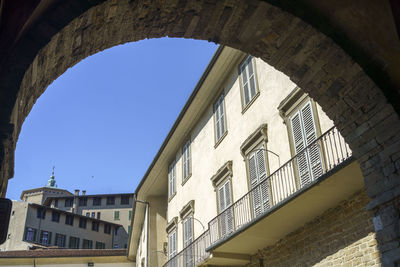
[{"x": 251, "y": 165}]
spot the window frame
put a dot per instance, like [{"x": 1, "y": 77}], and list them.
[
  {"x": 70, "y": 201},
  {"x": 48, "y": 240},
  {"x": 125, "y": 197},
  {"x": 172, "y": 167},
  {"x": 29, "y": 230},
  {"x": 87, "y": 244},
  {"x": 82, "y": 223},
  {"x": 220, "y": 102},
  {"x": 110, "y": 200},
  {"x": 63, "y": 239},
  {"x": 245, "y": 106},
  {"x": 69, "y": 219},
  {"x": 186, "y": 160},
  {"x": 95, "y": 226},
  {"x": 82, "y": 201},
  {"x": 117, "y": 215},
  {"x": 96, "y": 201},
  {"x": 75, "y": 244},
  {"x": 55, "y": 216}
]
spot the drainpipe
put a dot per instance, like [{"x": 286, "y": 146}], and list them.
[{"x": 147, "y": 228}]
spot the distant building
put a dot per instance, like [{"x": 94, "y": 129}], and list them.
[{"x": 53, "y": 217}]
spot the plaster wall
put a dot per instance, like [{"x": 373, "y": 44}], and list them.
[
  {"x": 17, "y": 222},
  {"x": 207, "y": 157}
]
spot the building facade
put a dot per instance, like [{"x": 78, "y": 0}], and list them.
[
  {"x": 53, "y": 217},
  {"x": 251, "y": 167},
  {"x": 34, "y": 225}
]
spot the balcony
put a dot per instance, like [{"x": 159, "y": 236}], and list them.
[
  {"x": 314, "y": 180},
  {"x": 193, "y": 255}
]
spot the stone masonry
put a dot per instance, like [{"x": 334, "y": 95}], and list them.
[{"x": 342, "y": 236}]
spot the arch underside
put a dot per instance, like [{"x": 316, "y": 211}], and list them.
[{"x": 312, "y": 60}]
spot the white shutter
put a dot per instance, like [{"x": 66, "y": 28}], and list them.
[
  {"x": 172, "y": 244},
  {"x": 248, "y": 80},
  {"x": 226, "y": 216},
  {"x": 310, "y": 136},
  {"x": 228, "y": 203},
  {"x": 262, "y": 175},
  {"x": 253, "y": 183},
  {"x": 172, "y": 175},
  {"x": 186, "y": 160},
  {"x": 309, "y": 164}
]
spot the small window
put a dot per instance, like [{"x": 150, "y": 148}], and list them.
[
  {"x": 69, "y": 219},
  {"x": 100, "y": 245},
  {"x": 55, "y": 216},
  {"x": 186, "y": 161},
  {"x": 98, "y": 215},
  {"x": 82, "y": 223},
  {"x": 73, "y": 242},
  {"x": 30, "y": 234},
  {"x": 45, "y": 238},
  {"x": 82, "y": 201},
  {"x": 116, "y": 215},
  {"x": 130, "y": 215},
  {"x": 172, "y": 244},
  {"x": 56, "y": 203},
  {"x": 97, "y": 201},
  {"x": 87, "y": 214},
  {"x": 248, "y": 80},
  {"x": 172, "y": 179},
  {"x": 41, "y": 213},
  {"x": 116, "y": 246},
  {"x": 219, "y": 118},
  {"x": 87, "y": 244},
  {"x": 116, "y": 230},
  {"x": 110, "y": 200},
  {"x": 60, "y": 240},
  {"x": 124, "y": 199},
  {"x": 93, "y": 215},
  {"x": 107, "y": 229},
  {"x": 68, "y": 202},
  {"x": 95, "y": 226}
]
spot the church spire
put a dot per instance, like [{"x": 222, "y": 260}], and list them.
[{"x": 52, "y": 181}]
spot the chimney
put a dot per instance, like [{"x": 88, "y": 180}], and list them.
[
  {"x": 76, "y": 192},
  {"x": 83, "y": 192}
]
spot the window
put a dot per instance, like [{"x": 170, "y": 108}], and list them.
[
  {"x": 98, "y": 215},
  {"x": 73, "y": 242},
  {"x": 129, "y": 229},
  {"x": 95, "y": 226},
  {"x": 93, "y": 215},
  {"x": 130, "y": 215},
  {"x": 116, "y": 215},
  {"x": 97, "y": 201},
  {"x": 309, "y": 162},
  {"x": 55, "y": 216},
  {"x": 87, "y": 244},
  {"x": 248, "y": 81},
  {"x": 254, "y": 152},
  {"x": 60, "y": 240},
  {"x": 30, "y": 234},
  {"x": 116, "y": 230},
  {"x": 187, "y": 240},
  {"x": 82, "y": 201},
  {"x": 56, "y": 203},
  {"x": 224, "y": 202},
  {"x": 219, "y": 118},
  {"x": 107, "y": 229},
  {"x": 172, "y": 179},
  {"x": 110, "y": 200},
  {"x": 257, "y": 173},
  {"x": 45, "y": 238},
  {"x": 124, "y": 199},
  {"x": 87, "y": 214},
  {"x": 100, "y": 245},
  {"x": 68, "y": 202},
  {"x": 172, "y": 244},
  {"x": 41, "y": 213},
  {"x": 186, "y": 161},
  {"x": 116, "y": 246},
  {"x": 69, "y": 219},
  {"x": 82, "y": 223}
]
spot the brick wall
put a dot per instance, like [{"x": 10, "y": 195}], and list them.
[{"x": 342, "y": 236}]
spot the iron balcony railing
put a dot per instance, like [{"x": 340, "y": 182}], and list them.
[
  {"x": 309, "y": 164},
  {"x": 193, "y": 254}
]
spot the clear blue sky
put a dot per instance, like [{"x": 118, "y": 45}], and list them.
[{"x": 107, "y": 116}]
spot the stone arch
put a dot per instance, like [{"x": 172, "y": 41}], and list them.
[{"x": 311, "y": 60}]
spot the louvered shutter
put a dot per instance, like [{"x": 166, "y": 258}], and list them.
[
  {"x": 217, "y": 122},
  {"x": 299, "y": 145},
  {"x": 228, "y": 202},
  {"x": 252, "y": 82},
  {"x": 172, "y": 179},
  {"x": 262, "y": 175},
  {"x": 253, "y": 183},
  {"x": 221, "y": 194},
  {"x": 245, "y": 84},
  {"x": 310, "y": 136}
]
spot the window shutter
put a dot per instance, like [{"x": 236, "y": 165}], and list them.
[
  {"x": 299, "y": 145},
  {"x": 311, "y": 135},
  {"x": 252, "y": 83},
  {"x": 253, "y": 183},
  {"x": 172, "y": 179},
  {"x": 262, "y": 175},
  {"x": 228, "y": 202}
]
